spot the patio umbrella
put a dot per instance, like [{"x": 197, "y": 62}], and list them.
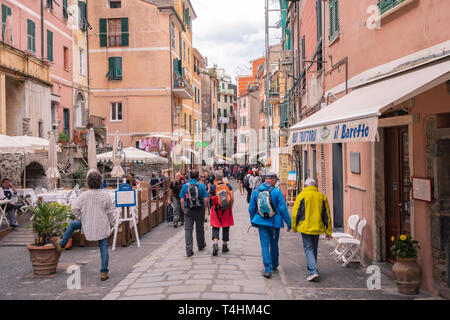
[
  {"x": 134, "y": 155},
  {"x": 92, "y": 152},
  {"x": 10, "y": 145},
  {"x": 52, "y": 172},
  {"x": 35, "y": 142},
  {"x": 117, "y": 171}
]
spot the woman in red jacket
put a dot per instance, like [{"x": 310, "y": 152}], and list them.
[{"x": 221, "y": 218}]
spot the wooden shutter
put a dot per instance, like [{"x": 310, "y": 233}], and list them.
[
  {"x": 103, "y": 33},
  {"x": 125, "y": 33},
  {"x": 331, "y": 4},
  {"x": 110, "y": 68},
  {"x": 336, "y": 16},
  {"x": 49, "y": 45},
  {"x": 65, "y": 12},
  {"x": 6, "y": 11},
  {"x": 118, "y": 68},
  {"x": 82, "y": 15}
]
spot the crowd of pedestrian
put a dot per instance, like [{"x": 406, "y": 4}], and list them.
[{"x": 194, "y": 196}]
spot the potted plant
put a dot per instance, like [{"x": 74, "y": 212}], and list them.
[
  {"x": 63, "y": 138},
  {"x": 49, "y": 221},
  {"x": 407, "y": 272}
]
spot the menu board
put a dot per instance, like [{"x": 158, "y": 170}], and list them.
[
  {"x": 421, "y": 189},
  {"x": 284, "y": 169}
]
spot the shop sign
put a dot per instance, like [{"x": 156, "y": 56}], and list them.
[{"x": 363, "y": 130}]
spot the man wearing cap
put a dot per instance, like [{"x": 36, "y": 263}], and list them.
[
  {"x": 269, "y": 227},
  {"x": 311, "y": 217}
]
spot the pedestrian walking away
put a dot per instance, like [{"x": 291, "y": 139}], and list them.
[
  {"x": 174, "y": 199},
  {"x": 268, "y": 212},
  {"x": 194, "y": 198},
  {"x": 204, "y": 179},
  {"x": 311, "y": 217},
  {"x": 221, "y": 212},
  {"x": 248, "y": 180},
  {"x": 94, "y": 213},
  {"x": 240, "y": 179}
]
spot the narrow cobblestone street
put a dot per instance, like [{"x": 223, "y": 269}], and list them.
[{"x": 168, "y": 274}]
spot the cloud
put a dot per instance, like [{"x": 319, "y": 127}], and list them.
[{"x": 230, "y": 33}]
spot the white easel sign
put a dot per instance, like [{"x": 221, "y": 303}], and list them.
[{"x": 125, "y": 198}]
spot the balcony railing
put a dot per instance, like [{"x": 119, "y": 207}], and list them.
[
  {"x": 182, "y": 87},
  {"x": 96, "y": 121}
]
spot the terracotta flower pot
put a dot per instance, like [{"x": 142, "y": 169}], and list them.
[
  {"x": 43, "y": 258},
  {"x": 407, "y": 274}
]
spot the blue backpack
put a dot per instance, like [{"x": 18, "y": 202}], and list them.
[{"x": 265, "y": 206}]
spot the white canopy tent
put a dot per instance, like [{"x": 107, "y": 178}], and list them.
[
  {"x": 35, "y": 142},
  {"x": 134, "y": 155}
]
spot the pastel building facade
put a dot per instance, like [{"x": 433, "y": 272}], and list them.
[{"x": 394, "y": 60}]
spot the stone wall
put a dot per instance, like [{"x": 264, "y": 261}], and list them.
[{"x": 11, "y": 167}]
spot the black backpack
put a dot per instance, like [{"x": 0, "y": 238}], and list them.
[
  {"x": 193, "y": 196},
  {"x": 247, "y": 181}
]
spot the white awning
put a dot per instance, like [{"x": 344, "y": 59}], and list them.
[{"x": 354, "y": 117}]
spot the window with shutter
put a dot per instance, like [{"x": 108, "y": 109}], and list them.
[
  {"x": 31, "y": 40},
  {"x": 65, "y": 10},
  {"x": 334, "y": 19},
  {"x": 6, "y": 11},
  {"x": 82, "y": 15},
  {"x": 115, "y": 68},
  {"x": 49, "y": 45}
]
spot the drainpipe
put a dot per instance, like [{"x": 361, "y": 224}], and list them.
[
  {"x": 42, "y": 30},
  {"x": 337, "y": 65},
  {"x": 172, "y": 110},
  {"x": 88, "y": 74}
]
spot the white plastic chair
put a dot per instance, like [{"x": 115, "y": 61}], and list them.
[
  {"x": 350, "y": 233},
  {"x": 351, "y": 246}
]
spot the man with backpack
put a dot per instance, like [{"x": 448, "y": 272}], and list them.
[
  {"x": 174, "y": 199},
  {"x": 268, "y": 210},
  {"x": 194, "y": 198},
  {"x": 221, "y": 212}
]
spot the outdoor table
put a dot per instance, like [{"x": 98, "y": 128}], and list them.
[
  {"x": 54, "y": 196},
  {"x": 3, "y": 205}
]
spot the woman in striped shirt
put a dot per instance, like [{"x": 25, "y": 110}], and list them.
[{"x": 94, "y": 212}]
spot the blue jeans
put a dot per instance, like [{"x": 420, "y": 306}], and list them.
[
  {"x": 311, "y": 244},
  {"x": 268, "y": 237},
  {"x": 103, "y": 244}
]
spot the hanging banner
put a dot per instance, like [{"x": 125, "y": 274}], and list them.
[{"x": 363, "y": 130}]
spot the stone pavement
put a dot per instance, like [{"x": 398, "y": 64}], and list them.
[{"x": 237, "y": 275}]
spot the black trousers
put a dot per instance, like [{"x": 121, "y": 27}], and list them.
[
  {"x": 197, "y": 217},
  {"x": 225, "y": 233},
  {"x": 249, "y": 194}
]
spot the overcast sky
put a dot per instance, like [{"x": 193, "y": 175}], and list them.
[{"x": 230, "y": 33}]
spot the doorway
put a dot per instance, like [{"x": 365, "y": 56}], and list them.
[
  {"x": 338, "y": 187},
  {"x": 397, "y": 183}
]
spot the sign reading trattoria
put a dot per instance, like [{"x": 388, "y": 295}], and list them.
[{"x": 363, "y": 130}]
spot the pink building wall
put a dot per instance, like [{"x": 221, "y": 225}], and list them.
[{"x": 22, "y": 10}]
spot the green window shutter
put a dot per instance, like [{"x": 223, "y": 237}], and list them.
[
  {"x": 118, "y": 68},
  {"x": 336, "y": 16},
  {"x": 65, "y": 12},
  {"x": 31, "y": 44},
  {"x": 125, "y": 32},
  {"x": 82, "y": 15},
  {"x": 103, "y": 33},
  {"x": 181, "y": 48},
  {"x": 334, "y": 19},
  {"x": 49, "y": 45},
  {"x": 6, "y": 11},
  {"x": 225, "y": 113},
  {"x": 110, "y": 68},
  {"x": 331, "y": 4}
]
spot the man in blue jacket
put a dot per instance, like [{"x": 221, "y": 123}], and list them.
[{"x": 269, "y": 227}]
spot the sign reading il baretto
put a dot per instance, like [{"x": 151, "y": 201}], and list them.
[{"x": 363, "y": 130}]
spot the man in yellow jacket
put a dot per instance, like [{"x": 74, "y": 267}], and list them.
[{"x": 311, "y": 217}]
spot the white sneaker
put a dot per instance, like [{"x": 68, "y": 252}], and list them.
[{"x": 312, "y": 277}]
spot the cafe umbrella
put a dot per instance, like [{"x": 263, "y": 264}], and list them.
[{"x": 52, "y": 172}]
